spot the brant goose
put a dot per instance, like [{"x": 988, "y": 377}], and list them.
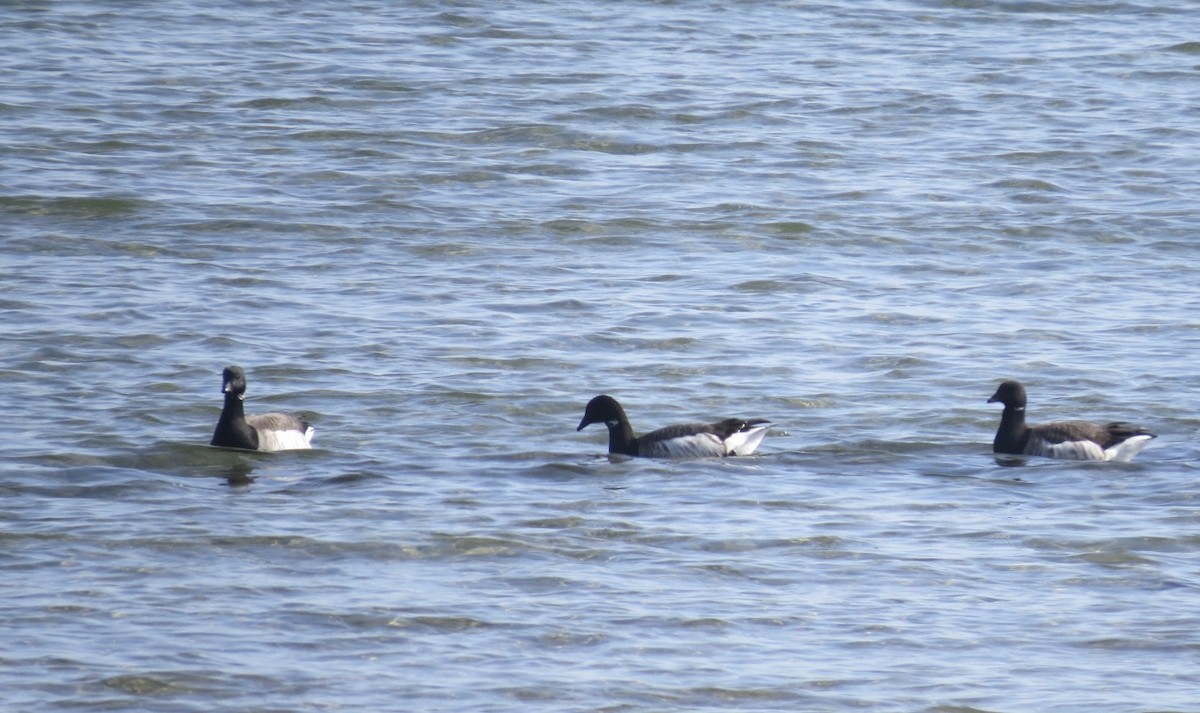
[
  {"x": 1075, "y": 440},
  {"x": 733, "y": 436},
  {"x": 264, "y": 432}
]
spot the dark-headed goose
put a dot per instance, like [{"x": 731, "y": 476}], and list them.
[
  {"x": 1077, "y": 440},
  {"x": 733, "y": 436},
  {"x": 264, "y": 432}
]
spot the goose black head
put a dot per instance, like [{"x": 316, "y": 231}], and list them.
[
  {"x": 1011, "y": 394},
  {"x": 602, "y": 409},
  {"x": 233, "y": 381}
]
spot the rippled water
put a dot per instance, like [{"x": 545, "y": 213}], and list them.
[{"x": 437, "y": 229}]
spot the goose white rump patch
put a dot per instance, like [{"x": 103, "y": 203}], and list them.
[{"x": 743, "y": 443}]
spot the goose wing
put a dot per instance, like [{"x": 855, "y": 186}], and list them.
[
  {"x": 281, "y": 431},
  {"x": 1083, "y": 440}
]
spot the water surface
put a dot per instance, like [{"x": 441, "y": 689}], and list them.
[{"x": 437, "y": 229}]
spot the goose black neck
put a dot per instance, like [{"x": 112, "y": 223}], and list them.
[
  {"x": 620, "y": 437},
  {"x": 1012, "y": 434},
  {"x": 234, "y": 406},
  {"x": 232, "y": 430}
]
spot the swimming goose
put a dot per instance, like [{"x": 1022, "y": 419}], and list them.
[
  {"x": 1075, "y": 440},
  {"x": 263, "y": 432},
  {"x": 733, "y": 436}
]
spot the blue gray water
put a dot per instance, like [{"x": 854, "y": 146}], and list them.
[{"x": 436, "y": 229}]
